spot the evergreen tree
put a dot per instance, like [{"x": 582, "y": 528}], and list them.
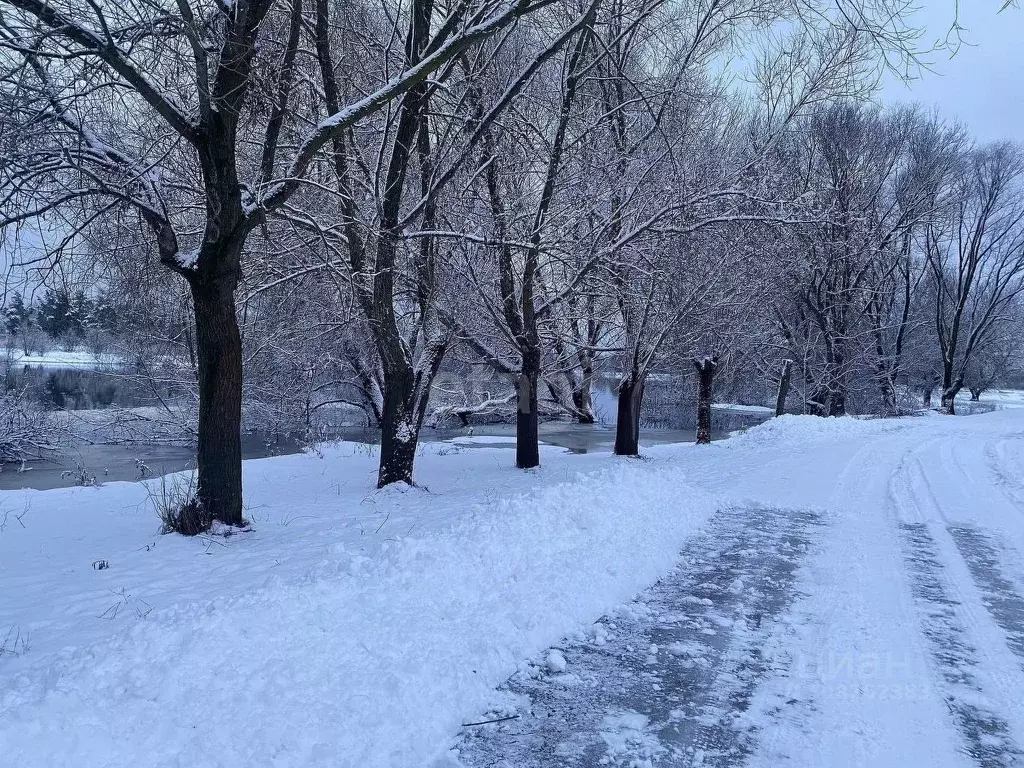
[
  {"x": 55, "y": 313},
  {"x": 18, "y": 319},
  {"x": 103, "y": 315},
  {"x": 15, "y": 315},
  {"x": 80, "y": 314}
]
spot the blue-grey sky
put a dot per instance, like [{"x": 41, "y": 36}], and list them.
[{"x": 983, "y": 84}]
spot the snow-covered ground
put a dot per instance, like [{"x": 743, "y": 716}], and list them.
[
  {"x": 1001, "y": 398},
  {"x": 740, "y": 408},
  {"x": 361, "y": 628},
  {"x": 57, "y": 358}
]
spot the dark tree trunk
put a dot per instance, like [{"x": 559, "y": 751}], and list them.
[
  {"x": 219, "y": 358},
  {"x": 886, "y": 376},
  {"x": 398, "y": 430},
  {"x": 837, "y": 384},
  {"x": 705, "y": 380},
  {"x": 950, "y": 388},
  {"x": 527, "y": 448},
  {"x": 889, "y": 404},
  {"x": 837, "y": 403},
  {"x": 926, "y": 395},
  {"x": 828, "y": 401},
  {"x": 584, "y": 413},
  {"x": 949, "y": 400},
  {"x": 784, "y": 381},
  {"x": 582, "y": 400},
  {"x": 819, "y": 402},
  {"x": 976, "y": 394},
  {"x": 627, "y": 421}
]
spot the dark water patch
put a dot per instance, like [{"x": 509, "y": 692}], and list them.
[
  {"x": 575, "y": 438},
  {"x": 82, "y": 388},
  {"x": 110, "y": 462},
  {"x": 97, "y": 464}
]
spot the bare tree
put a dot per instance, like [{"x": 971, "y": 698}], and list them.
[
  {"x": 183, "y": 162},
  {"x": 976, "y": 259}
]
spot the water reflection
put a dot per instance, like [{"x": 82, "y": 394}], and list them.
[{"x": 111, "y": 463}]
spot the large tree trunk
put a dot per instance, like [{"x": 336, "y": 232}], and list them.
[
  {"x": 584, "y": 408},
  {"x": 784, "y": 381},
  {"x": 889, "y": 404},
  {"x": 406, "y": 393},
  {"x": 399, "y": 431},
  {"x": 627, "y": 421},
  {"x": 837, "y": 384},
  {"x": 976, "y": 393},
  {"x": 705, "y": 379},
  {"x": 950, "y": 387},
  {"x": 527, "y": 447},
  {"x": 818, "y": 403},
  {"x": 837, "y": 402},
  {"x": 219, "y": 357},
  {"x": 949, "y": 398},
  {"x": 582, "y": 399},
  {"x": 886, "y": 376}
]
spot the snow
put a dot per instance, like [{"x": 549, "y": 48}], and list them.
[
  {"x": 1001, "y": 398},
  {"x": 629, "y": 741},
  {"x": 188, "y": 259},
  {"x": 348, "y": 623},
  {"x": 405, "y": 433},
  {"x": 556, "y": 661},
  {"x": 740, "y": 408},
  {"x": 354, "y": 627},
  {"x": 483, "y": 440},
  {"x": 66, "y": 359}
]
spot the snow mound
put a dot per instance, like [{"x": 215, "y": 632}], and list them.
[
  {"x": 556, "y": 661},
  {"x": 800, "y": 429}
]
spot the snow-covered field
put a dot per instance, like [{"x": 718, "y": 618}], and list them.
[{"x": 354, "y": 627}]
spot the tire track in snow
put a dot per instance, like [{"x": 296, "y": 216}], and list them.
[
  {"x": 985, "y": 733},
  {"x": 995, "y": 457},
  {"x": 668, "y": 681},
  {"x": 1001, "y": 598}
]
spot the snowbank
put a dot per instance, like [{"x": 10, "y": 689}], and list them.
[
  {"x": 369, "y": 657},
  {"x": 799, "y": 429}
]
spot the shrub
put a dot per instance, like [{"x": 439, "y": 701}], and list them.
[{"x": 178, "y": 507}]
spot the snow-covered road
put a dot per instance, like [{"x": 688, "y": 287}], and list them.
[{"x": 848, "y": 593}]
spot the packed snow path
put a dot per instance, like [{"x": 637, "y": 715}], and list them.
[
  {"x": 863, "y": 581},
  {"x": 668, "y": 679}
]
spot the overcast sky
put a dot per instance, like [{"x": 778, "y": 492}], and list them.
[{"x": 983, "y": 84}]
